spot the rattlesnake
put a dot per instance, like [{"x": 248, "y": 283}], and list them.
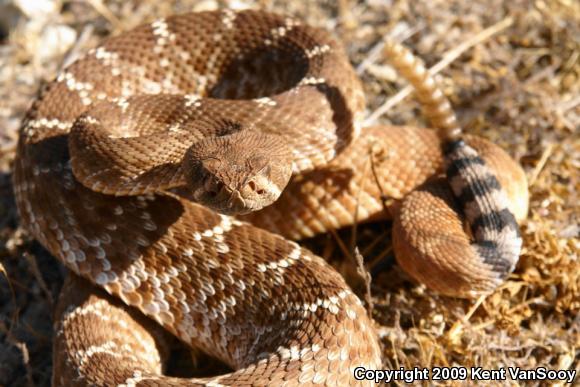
[{"x": 270, "y": 309}]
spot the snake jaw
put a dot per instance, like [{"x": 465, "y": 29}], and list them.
[{"x": 251, "y": 195}]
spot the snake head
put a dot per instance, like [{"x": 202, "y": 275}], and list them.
[{"x": 238, "y": 173}]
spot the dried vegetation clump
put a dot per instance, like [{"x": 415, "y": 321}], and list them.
[{"x": 512, "y": 72}]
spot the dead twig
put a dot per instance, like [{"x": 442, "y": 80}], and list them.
[
  {"x": 102, "y": 9},
  {"x": 23, "y": 350},
  {"x": 541, "y": 164},
  {"x": 41, "y": 282},
  {"x": 366, "y": 276}
]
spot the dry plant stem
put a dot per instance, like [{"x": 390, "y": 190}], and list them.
[
  {"x": 23, "y": 348},
  {"x": 5, "y": 274},
  {"x": 384, "y": 197},
  {"x": 101, "y": 8},
  {"x": 456, "y": 329},
  {"x": 541, "y": 164},
  {"x": 370, "y": 246},
  {"x": 365, "y": 275},
  {"x": 38, "y": 275},
  {"x": 358, "y": 203}
]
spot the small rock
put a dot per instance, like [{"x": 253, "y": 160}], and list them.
[{"x": 55, "y": 41}]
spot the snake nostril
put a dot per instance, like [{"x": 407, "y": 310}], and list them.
[{"x": 254, "y": 187}]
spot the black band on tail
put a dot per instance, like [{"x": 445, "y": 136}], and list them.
[{"x": 485, "y": 205}]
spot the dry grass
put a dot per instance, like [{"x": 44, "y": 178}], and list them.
[{"x": 519, "y": 87}]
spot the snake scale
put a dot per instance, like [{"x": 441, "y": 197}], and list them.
[{"x": 223, "y": 108}]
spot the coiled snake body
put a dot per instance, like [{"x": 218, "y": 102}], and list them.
[{"x": 273, "y": 311}]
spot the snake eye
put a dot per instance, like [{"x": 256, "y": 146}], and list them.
[
  {"x": 267, "y": 170},
  {"x": 211, "y": 186}
]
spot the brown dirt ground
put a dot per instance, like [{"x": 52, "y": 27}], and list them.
[{"x": 519, "y": 87}]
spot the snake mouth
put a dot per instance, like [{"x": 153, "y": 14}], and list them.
[
  {"x": 246, "y": 199},
  {"x": 237, "y": 201}
]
